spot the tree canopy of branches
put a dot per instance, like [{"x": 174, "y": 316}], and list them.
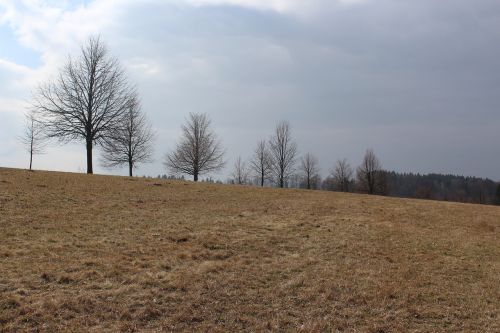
[
  {"x": 261, "y": 162},
  {"x": 342, "y": 175},
  {"x": 86, "y": 101},
  {"x": 198, "y": 151},
  {"x": 371, "y": 178},
  {"x": 131, "y": 142},
  {"x": 283, "y": 151},
  {"x": 33, "y": 138},
  {"x": 240, "y": 172},
  {"x": 309, "y": 169}
]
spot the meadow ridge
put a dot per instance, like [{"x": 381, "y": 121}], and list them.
[{"x": 90, "y": 253}]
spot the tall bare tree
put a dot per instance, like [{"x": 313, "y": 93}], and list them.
[
  {"x": 33, "y": 138},
  {"x": 342, "y": 175},
  {"x": 198, "y": 151},
  {"x": 86, "y": 101},
  {"x": 131, "y": 142},
  {"x": 309, "y": 169},
  {"x": 371, "y": 178},
  {"x": 283, "y": 151},
  {"x": 261, "y": 162},
  {"x": 240, "y": 172}
]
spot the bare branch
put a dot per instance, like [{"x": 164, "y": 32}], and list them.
[
  {"x": 342, "y": 175},
  {"x": 261, "y": 162},
  {"x": 371, "y": 178},
  {"x": 310, "y": 170},
  {"x": 33, "y": 138},
  {"x": 240, "y": 172},
  {"x": 282, "y": 151},
  {"x": 131, "y": 141},
  {"x": 86, "y": 101},
  {"x": 198, "y": 151}
]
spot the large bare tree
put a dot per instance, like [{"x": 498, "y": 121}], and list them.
[
  {"x": 240, "y": 172},
  {"x": 261, "y": 162},
  {"x": 33, "y": 138},
  {"x": 131, "y": 142},
  {"x": 86, "y": 101},
  {"x": 342, "y": 175},
  {"x": 283, "y": 151},
  {"x": 371, "y": 178},
  {"x": 309, "y": 169},
  {"x": 198, "y": 152}
]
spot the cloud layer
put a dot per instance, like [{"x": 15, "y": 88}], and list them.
[{"x": 416, "y": 80}]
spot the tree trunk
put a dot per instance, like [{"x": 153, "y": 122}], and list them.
[
  {"x": 195, "y": 177},
  {"x": 130, "y": 167},
  {"x": 89, "y": 157},
  {"x": 31, "y": 149},
  {"x": 369, "y": 181},
  {"x": 262, "y": 180}
]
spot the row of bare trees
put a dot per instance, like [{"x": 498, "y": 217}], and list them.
[
  {"x": 274, "y": 161},
  {"x": 91, "y": 101}
]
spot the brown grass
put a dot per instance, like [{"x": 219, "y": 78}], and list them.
[{"x": 98, "y": 253}]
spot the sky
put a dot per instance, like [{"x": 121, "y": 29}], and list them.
[{"x": 418, "y": 81}]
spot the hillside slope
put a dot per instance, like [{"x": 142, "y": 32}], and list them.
[{"x": 99, "y": 253}]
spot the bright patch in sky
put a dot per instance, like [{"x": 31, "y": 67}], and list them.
[{"x": 12, "y": 51}]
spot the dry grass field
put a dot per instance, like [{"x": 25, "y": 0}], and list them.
[{"x": 95, "y": 253}]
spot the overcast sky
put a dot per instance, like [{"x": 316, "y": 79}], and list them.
[{"x": 418, "y": 81}]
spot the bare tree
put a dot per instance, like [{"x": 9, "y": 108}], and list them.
[
  {"x": 33, "y": 138},
  {"x": 261, "y": 162},
  {"x": 86, "y": 101},
  {"x": 198, "y": 151},
  {"x": 283, "y": 152},
  {"x": 240, "y": 172},
  {"x": 370, "y": 176},
  {"x": 342, "y": 175},
  {"x": 131, "y": 142},
  {"x": 309, "y": 169}
]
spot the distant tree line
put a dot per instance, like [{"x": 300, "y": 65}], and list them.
[
  {"x": 409, "y": 185},
  {"x": 444, "y": 187}
]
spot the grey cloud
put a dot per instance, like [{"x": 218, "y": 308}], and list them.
[{"x": 416, "y": 80}]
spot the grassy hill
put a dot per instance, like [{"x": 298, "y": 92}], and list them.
[{"x": 99, "y": 253}]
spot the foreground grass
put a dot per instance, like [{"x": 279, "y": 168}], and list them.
[{"x": 97, "y": 253}]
